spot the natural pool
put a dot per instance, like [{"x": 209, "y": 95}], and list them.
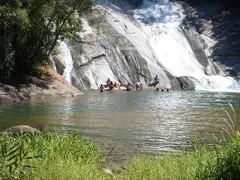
[{"x": 132, "y": 122}]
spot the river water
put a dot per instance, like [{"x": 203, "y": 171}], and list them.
[{"x": 130, "y": 123}]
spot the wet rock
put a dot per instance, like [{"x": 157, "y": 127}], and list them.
[
  {"x": 59, "y": 65},
  {"x": 185, "y": 83},
  {"x": 19, "y": 129}
]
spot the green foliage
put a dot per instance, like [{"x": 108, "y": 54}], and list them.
[
  {"x": 222, "y": 162},
  {"x": 14, "y": 157},
  {"x": 45, "y": 156},
  {"x": 29, "y": 30},
  {"x": 159, "y": 167},
  {"x": 232, "y": 120},
  {"x": 68, "y": 156}
]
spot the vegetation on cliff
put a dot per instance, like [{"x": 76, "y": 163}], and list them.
[{"x": 29, "y": 30}]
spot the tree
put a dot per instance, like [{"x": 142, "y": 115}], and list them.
[{"x": 29, "y": 30}]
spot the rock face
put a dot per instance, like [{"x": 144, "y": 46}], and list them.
[
  {"x": 53, "y": 86},
  {"x": 141, "y": 41},
  {"x": 218, "y": 20},
  {"x": 106, "y": 53},
  {"x": 19, "y": 129}
]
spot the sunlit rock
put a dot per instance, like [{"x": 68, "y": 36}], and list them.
[{"x": 128, "y": 44}]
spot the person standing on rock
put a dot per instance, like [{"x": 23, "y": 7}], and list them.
[
  {"x": 155, "y": 80},
  {"x": 111, "y": 86},
  {"x": 108, "y": 82},
  {"x": 128, "y": 88},
  {"x": 138, "y": 86}
]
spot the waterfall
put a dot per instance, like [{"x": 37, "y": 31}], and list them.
[
  {"x": 64, "y": 57},
  {"x": 161, "y": 34},
  {"x": 120, "y": 44}
]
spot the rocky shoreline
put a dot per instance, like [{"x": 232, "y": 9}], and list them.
[{"x": 53, "y": 85}]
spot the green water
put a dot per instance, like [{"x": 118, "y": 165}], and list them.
[{"x": 131, "y": 122}]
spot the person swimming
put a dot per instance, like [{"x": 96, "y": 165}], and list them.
[
  {"x": 101, "y": 88},
  {"x": 111, "y": 86},
  {"x": 128, "y": 88}
]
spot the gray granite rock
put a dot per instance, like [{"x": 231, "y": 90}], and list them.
[
  {"x": 219, "y": 20},
  {"x": 19, "y": 129}
]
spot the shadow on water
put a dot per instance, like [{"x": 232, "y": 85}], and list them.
[{"x": 133, "y": 122}]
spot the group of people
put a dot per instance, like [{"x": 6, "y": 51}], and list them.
[
  {"x": 110, "y": 85},
  {"x": 138, "y": 85}
]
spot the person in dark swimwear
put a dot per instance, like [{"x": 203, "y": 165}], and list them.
[
  {"x": 138, "y": 86},
  {"x": 156, "y": 79},
  {"x": 111, "y": 86},
  {"x": 128, "y": 88},
  {"x": 108, "y": 82},
  {"x": 101, "y": 88},
  {"x": 116, "y": 85}
]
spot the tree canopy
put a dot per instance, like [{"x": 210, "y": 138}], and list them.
[{"x": 29, "y": 30}]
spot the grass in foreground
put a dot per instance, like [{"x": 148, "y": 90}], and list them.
[
  {"x": 221, "y": 161},
  {"x": 54, "y": 156},
  {"x": 49, "y": 156}
]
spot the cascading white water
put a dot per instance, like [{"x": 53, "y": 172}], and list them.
[
  {"x": 52, "y": 63},
  {"x": 64, "y": 56},
  {"x": 158, "y": 33},
  {"x": 154, "y": 31}
]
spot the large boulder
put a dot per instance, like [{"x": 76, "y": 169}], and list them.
[
  {"x": 52, "y": 86},
  {"x": 19, "y": 129}
]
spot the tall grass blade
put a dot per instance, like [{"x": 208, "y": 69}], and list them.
[
  {"x": 230, "y": 119},
  {"x": 229, "y": 125}
]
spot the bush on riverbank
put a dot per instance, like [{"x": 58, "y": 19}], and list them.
[
  {"x": 221, "y": 161},
  {"x": 48, "y": 156},
  {"x": 53, "y": 156}
]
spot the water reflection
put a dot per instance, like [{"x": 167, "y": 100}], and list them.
[{"x": 132, "y": 122}]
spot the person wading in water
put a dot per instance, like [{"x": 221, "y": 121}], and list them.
[
  {"x": 101, "y": 88},
  {"x": 128, "y": 88}
]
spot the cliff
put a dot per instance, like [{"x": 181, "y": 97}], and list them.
[
  {"x": 126, "y": 43},
  {"x": 218, "y": 20}
]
